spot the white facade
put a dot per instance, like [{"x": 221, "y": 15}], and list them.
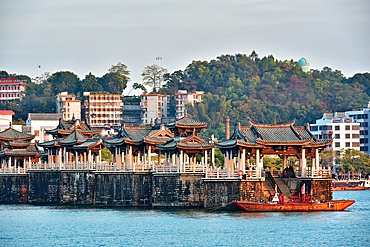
[
  {"x": 68, "y": 106},
  {"x": 154, "y": 107},
  {"x": 344, "y": 131},
  {"x": 38, "y": 122},
  {"x": 11, "y": 89},
  {"x": 362, "y": 117},
  {"x": 183, "y": 98}
]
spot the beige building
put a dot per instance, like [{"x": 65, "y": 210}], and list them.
[
  {"x": 68, "y": 106},
  {"x": 6, "y": 118},
  {"x": 103, "y": 109},
  {"x": 155, "y": 107}
]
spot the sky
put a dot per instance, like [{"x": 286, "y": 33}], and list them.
[{"x": 92, "y": 35}]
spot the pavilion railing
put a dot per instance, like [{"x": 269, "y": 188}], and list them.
[{"x": 210, "y": 172}]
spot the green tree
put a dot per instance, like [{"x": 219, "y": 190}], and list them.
[
  {"x": 113, "y": 82},
  {"x": 355, "y": 161},
  {"x": 153, "y": 76},
  {"x": 106, "y": 155},
  {"x": 121, "y": 69},
  {"x": 64, "y": 81},
  {"x": 90, "y": 84}
]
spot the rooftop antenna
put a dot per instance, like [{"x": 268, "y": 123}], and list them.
[{"x": 159, "y": 59}]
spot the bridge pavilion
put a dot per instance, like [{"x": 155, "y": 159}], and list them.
[
  {"x": 258, "y": 140},
  {"x": 16, "y": 150},
  {"x": 173, "y": 147},
  {"x": 75, "y": 146}
]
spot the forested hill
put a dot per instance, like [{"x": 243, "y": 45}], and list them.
[
  {"x": 243, "y": 87},
  {"x": 266, "y": 90}
]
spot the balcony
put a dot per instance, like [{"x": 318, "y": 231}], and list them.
[{"x": 327, "y": 132}]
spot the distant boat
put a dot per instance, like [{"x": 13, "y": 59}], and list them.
[
  {"x": 349, "y": 188},
  {"x": 351, "y": 185},
  {"x": 334, "y": 205}
]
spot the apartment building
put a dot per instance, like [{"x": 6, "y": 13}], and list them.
[
  {"x": 103, "y": 109},
  {"x": 68, "y": 106},
  {"x": 132, "y": 110},
  {"x": 183, "y": 98},
  {"x": 362, "y": 117},
  {"x": 11, "y": 89},
  {"x": 155, "y": 107},
  {"x": 344, "y": 130}
]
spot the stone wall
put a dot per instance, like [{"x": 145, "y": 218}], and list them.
[
  {"x": 13, "y": 188},
  {"x": 122, "y": 189},
  {"x": 178, "y": 190},
  {"x": 219, "y": 193},
  {"x": 44, "y": 187},
  {"x": 140, "y": 189},
  {"x": 59, "y": 187}
]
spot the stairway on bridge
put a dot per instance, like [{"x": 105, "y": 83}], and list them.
[
  {"x": 283, "y": 187},
  {"x": 269, "y": 187}
]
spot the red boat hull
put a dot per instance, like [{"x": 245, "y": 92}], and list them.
[{"x": 335, "y": 205}]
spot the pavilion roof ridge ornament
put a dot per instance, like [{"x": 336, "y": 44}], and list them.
[
  {"x": 274, "y": 125},
  {"x": 300, "y": 137},
  {"x": 60, "y": 125},
  {"x": 237, "y": 134}
]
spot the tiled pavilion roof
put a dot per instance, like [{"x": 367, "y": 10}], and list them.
[
  {"x": 272, "y": 134},
  {"x": 187, "y": 122},
  {"x": 190, "y": 143},
  {"x": 66, "y": 127},
  {"x": 12, "y": 134}
]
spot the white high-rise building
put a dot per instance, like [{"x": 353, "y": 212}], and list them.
[
  {"x": 362, "y": 117},
  {"x": 344, "y": 130},
  {"x": 155, "y": 107}
]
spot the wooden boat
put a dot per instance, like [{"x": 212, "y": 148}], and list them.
[{"x": 334, "y": 205}]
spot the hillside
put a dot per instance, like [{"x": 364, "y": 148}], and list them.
[{"x": 243, "y": 87}]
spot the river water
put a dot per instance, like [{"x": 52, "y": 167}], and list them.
[{"x": 26, "y": 225}]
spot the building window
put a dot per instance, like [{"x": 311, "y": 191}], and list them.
[
  {"x": 348, "y": 136},
  {"x": 348, "y": 144},
  {"x": 355, "y": 136},
  {"x": 337, "y": 136},
  {"x": 348, "y": 127},
  {"x": 355, "y": 144},
  {"x": 337, "y": 144},
  {"x": 314, "y": 128},
  {"x": 355, "y": 127}
]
